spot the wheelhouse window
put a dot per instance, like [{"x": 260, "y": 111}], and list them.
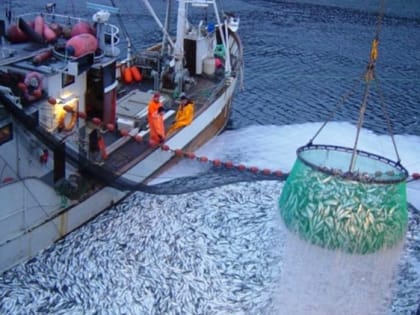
[
  {"x": 6, "y": 133},
  {"x": 67, "y": 79}
]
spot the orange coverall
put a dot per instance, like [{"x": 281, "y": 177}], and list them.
[
  {"x": 184, "y": 116},
  {"x": 157, "y": 128}
]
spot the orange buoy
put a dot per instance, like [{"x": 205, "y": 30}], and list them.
[
  {"x": 278, "y": 173},
  {"x": 241, "y": 167},
  {"x": 15, "y": 34},
  {"x": 110, "y": 127},
  {"x": 135, "y": 73},
  {"x": 82, "y": 27},
  {"x": 40, "y": 58},
  {"x": 22, "y": 86},
  {"x": 266, "y": 171},
  {"x": 81, "y": 44},
  {"x": 39, "y": 25},
  {"x": 138, "y": 138},
  {"x": 52, "y": 100},
  {"x": 217, "y": 163},
  {"x": 253, "y": 169},
  {"x": 229, "y": 164},
  {"x": 127, "y": 75},
  {"x": 124, "y": 132},
  {"x": 190, "y": 155},
  {"x": 48, "y": 34},
  {"x": 28, "y": 29}
]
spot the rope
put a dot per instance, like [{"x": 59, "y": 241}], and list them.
[
  {"x": 359, "y": 125},
  {"x": 387, "y": 119},
  {"x": 334, "y": 111}
]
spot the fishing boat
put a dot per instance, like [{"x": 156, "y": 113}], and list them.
[{"x": 68, "y": 82}]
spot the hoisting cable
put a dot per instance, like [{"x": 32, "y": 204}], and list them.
[
  {"x": 387, "y": 119},
  {"x": 369, "y": 76},
  {"x": 334, "y": 111}
]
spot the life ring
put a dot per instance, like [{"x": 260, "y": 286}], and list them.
[
  {"x": 62, "y": 120},
  {"x": 33, "y": 86}
]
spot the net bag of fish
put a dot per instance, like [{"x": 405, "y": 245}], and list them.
[{"x": 359, "y": 211}]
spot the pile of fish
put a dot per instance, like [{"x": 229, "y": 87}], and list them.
[
  {"x": 209, "y": 252},
  {"x": 336, "y": 213},
  {"x": 214, "y": 251}
]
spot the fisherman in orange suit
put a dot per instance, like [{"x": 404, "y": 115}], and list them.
[
  {"x": 184, "y": 114},
  {"x": 153, "y": 106},
  {"x": 157, "y": 127}
]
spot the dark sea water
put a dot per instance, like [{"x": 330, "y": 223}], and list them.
[{"x": 301, "y": 58}]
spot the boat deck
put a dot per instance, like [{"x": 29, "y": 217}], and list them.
[{"x": 135, "y": 103}]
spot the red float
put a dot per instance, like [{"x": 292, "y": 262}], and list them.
[
  {"x": 82, "y": 27},
  {"x": 217, "y": 163},
  {"x": 278, "y": 173},
  {"x": 22, "y": 87},
  {"x": 16, "y": 35},
  {"x": 138, "y": 138},
  {"x": 164, "y": 147},
  {"x": 127, "y": 75},
  {"x": 48, "y": 34},
  {"x": 39, "y": 25},
  {"x": 179, "y": 152},
  {"x": 254, "y": 169},
  {"x": 40, "y": 58},
  {"x": 266, "y": 171},
  {"x": 52, "y": 100},
  {"x": 241, "y": 167},
  {"x": 203, "y": 159},
  {"x": 136, "y": 74},
  {"x": 415, "y": 176},
  {"x": 110, "y": 127},
  {"x": 124, "y": 132},
  {"x": 190, "y": 155},
  {"x": 82, "y": 44},
  {"x": 228, "y": 164}
]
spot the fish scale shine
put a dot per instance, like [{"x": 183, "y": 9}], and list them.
[{"x": 202, "y": 253}]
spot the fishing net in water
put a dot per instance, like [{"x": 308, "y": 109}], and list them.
[{"x": 357, "y": 211}]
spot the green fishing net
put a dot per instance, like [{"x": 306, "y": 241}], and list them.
[{"x": 360, "y": 211}]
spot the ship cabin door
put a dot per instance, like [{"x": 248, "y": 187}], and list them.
[{"x": 101, "y": 94}]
